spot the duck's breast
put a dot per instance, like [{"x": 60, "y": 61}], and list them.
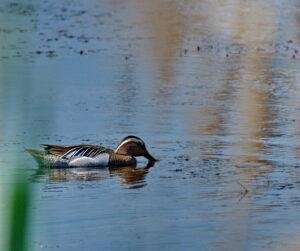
[{"x": 100, "y": 160}]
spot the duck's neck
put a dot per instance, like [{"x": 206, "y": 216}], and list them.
[{"x": 121, "y": 160}]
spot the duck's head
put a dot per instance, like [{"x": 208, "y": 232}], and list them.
[{"x": 133, "y": 146}]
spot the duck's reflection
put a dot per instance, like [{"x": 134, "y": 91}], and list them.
[{"x": 130, "y": 176}]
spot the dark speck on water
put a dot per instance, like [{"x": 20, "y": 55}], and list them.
[
  {"x": 213, "y": 89},
  {"x": 51, "y": 54}
]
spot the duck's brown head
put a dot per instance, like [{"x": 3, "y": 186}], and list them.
[{"x": 134, "y": 146}]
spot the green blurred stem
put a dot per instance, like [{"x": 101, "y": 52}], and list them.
[{"x": 19, "y": 216}]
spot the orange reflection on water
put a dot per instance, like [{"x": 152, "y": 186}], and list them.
[{"x": 254, "y": 121}]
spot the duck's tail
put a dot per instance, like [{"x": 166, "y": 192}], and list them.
[{"x": 38, "y": 155}]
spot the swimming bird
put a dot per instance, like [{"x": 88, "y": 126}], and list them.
[{"x": 68, "y": 156}]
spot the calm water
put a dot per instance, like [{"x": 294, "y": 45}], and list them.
[{"x": 211, "y": 86}]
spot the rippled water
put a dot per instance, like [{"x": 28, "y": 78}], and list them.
[{"x": 211, "y": 86}]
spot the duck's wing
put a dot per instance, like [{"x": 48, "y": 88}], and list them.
[{"x": 65, "y": 151}]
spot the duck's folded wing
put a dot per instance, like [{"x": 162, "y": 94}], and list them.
[{"x": 68, "y": 152}]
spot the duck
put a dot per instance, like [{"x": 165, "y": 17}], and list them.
[{"x": 85, "y": 155}]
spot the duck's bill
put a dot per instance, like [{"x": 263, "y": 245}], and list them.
[{"x": 150, "y": 157}]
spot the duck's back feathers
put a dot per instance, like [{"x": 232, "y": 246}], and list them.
[
  {"x": 37, "y": 154},
  {"x": 62, "y": 156},
  {"x": 66, "y": 151},
  {"x": 56, "y": 149}
]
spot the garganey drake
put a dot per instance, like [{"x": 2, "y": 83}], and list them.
[{"x": 66, "y": 156}]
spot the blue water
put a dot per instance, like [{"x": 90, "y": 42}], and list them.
[{"x": 211, "y": 87}]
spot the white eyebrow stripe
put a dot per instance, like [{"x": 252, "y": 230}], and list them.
[{"x": 129, "y": 140}]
